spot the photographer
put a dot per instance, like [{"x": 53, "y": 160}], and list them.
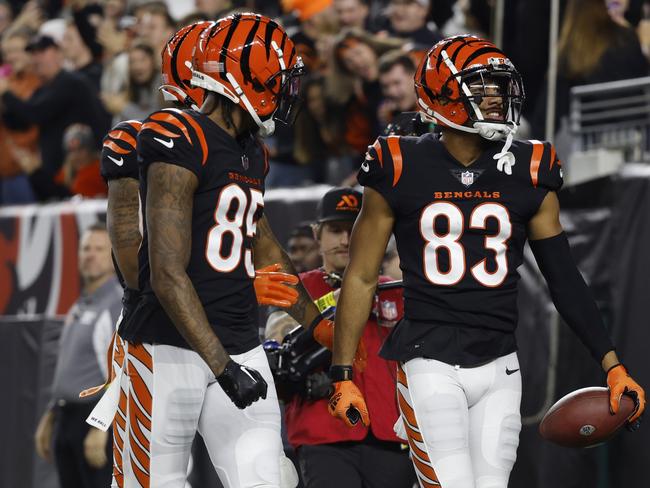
[{"x": 329, "y": 453}]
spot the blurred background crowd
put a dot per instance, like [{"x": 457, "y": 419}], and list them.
[{"x": 69, "y": 69}]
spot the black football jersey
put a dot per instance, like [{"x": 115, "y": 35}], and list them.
[
  {"x": 227, "y": 205},
  {"x": 460, "y": 233},
  {"x": 119, "y": 159}
]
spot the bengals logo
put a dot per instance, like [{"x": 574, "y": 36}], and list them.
[{"x": 348, "y": 202}]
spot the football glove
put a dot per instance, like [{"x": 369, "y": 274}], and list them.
[
  {"x": 619, "y": 382},
  {"x": 324, "y": 334},
  {"x": 273, "y": 287},
  {"x": 242, "y": 384},
  {"x": 347, "y": 404}
]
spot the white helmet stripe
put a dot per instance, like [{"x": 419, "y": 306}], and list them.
[{"x": 461, "y": 83}]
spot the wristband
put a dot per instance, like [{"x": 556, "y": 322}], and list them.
[{"x": 340, "y": 373}]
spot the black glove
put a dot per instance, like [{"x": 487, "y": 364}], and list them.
[
  {"x": 129, "y": 301},
  {"x": 242, "y": 384},
  {"x": 318, "y": 385}
]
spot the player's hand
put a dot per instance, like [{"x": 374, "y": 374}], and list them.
[
  {"x": 95, "y": 448},
  {"x": 43, "y": 436},
  {"x": 619, "y": 382},
  {"x": 347, "y": 403},
  {"x": 242, "y": 384},
  {"x": 273, "y": 287},
  {"x": 324, "y": 335}
]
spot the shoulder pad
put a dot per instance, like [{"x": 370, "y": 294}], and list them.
[
  {"x": 119, "y": 155},
  {"x": 174, "y": 126},
  {"x": 545, "y": 167},
  {"x": 383, "y": 164}
]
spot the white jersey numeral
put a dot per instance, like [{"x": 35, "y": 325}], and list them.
[
  {"x": 243, "y": 218},
  {"x": 450, "y": 243}
]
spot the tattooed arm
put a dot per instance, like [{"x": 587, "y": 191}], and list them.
[
  {"x": 123, "y": 224},
  {"x": 170, "y": 197},
  {"x": 268, "y": 251}
]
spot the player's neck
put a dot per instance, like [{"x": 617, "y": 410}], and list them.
[
  {"x": 464, "y": 147},
  {"x": 217, "y": 117}
]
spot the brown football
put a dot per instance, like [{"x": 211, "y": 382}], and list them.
[{"x": 582, "y": 418}]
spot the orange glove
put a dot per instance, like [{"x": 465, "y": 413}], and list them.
[
  {"x": 272, "y": 286},
  {"x": 347, "y": 403},
  {"x": 324, "y": 335},
  {"x": 619, "y": 382}
]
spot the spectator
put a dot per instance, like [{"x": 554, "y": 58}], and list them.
[
  {"x": 396, "y": 71},
  {"x": 213, "y": 9},
  {"x": 352, "y": 84},
  {"x": 407, "y": 19},
  {"x": 154, "y": 25},
  {"x": 63, "y": 99},
  {"x": 80, "y": 174},
  {"x": 302, "y": 248},
  {"x": 329, "y": 453},
  {"x": 22, "y": 81},
  {"x": 593, "y": 48},
  {"x": 79, "y": 57},
  {"x": 6, "y": 16},
  {"x": 142, "y": 96},
  {"x": 353, "y": 14},
  {"x": 319, "y": 133},
  {"x": 82, "y": 453}
]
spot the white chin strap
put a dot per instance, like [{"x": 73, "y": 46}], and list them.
[{"x": 172, "y": 93}]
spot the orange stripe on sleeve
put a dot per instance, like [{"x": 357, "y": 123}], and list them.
[
  {"x": 115, "y": 148},
  {"x": 377, "y": 147},
  {"x": 552, "y": 157},
  {"x": 123, "y": 136},
  {"x": 535, "y": 159},
  {"x": 396, "y": 156},
  {"x": 170, "y": 119},
  {"x": 156, "y": 127},
  {"x": 199, "y": 133}
]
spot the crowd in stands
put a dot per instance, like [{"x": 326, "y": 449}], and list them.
[{"x": 69, "y": 69}]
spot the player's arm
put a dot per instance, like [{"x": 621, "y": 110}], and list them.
[
  {"x": 170, "y": 198},
  {"x": 368, "y": 242},
  {"x": 574, "y": 300},
  {"x": 123, "y": 224},
  {"x": 266, "y": 251}
]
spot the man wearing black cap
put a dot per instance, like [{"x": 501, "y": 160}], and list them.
[
  {"x": 63, "y": 99},
  {"x": 330, "y": 454}
]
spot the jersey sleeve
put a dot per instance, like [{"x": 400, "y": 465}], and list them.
[
  {"x": 545, "y": 167},
  {"x": 174, "y": 137},
  {"x": 382, "y": 166},
  {"x": 119, "y": 158}
]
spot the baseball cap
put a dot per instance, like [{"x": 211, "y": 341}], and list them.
[
  {"x": 339, "y": 204},
  {"x": 40, "y": 43}
]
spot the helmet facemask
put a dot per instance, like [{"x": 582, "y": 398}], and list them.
[{"x": 288, "y": 98}]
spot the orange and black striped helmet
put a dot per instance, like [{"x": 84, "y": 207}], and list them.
[
  {"x": 250, "y": 59},
  {"x": 177, "y": 66},
  {"x": 456, "y": 74}
]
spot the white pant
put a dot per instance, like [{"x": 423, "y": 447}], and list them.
[
  {"x": 167, "y": 395},
  {"x": 462, "y": 423}
]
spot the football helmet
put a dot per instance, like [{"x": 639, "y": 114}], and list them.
[
  {"x": 177, "y": 66},
  {"x": 454, "y": 77},
  {"x": 250, "y": 59}
]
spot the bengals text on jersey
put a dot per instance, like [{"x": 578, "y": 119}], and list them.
[{"x": 460, "y": 233}]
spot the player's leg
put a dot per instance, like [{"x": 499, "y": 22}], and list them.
[
  {"x": 166, "y": 390},
  {"x": 494, "y": 419},
  {"x": 433, "y": 407},
  {"x": 244, "y": 445}
]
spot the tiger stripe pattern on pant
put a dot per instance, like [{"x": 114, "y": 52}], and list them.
[{"x": 423, "y": 468}]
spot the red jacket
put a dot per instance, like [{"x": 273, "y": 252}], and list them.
[{"x": 309, "y": 422}]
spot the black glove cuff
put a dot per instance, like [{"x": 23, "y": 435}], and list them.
[
  {"x": 340, "y": 373},
  {"x": 227, "y": 371},
  {"x": 130, "y": 297}
]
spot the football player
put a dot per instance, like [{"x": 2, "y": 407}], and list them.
[
  {"x": 461, "y": 208},
  {"x": 193, "y": 358}
]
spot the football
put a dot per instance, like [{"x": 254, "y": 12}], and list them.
[{"x": 582, "y": 418}]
